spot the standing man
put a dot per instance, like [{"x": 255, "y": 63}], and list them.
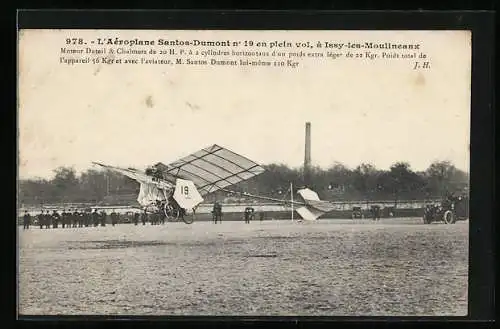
[
  {"x": 136, "y": 218},
  {"x": 80, "y": 218},
  {"x": 63, "y": 218},
  {"x": 144, "y": 217},
  {"x": 74, "y": 218},
  {"x": 247, "y": 215},
  {"x": 261, "y": 216},
  {"x": 71, "y": 218},
  {"x": 376, "y": 213},
  {"x": 214, "y": 213},
  {"x": 95, "y": 218},
  {"x": 41, "y": 219},
  {"x": 26, "y": 220},
  {"x": 55, "y": 219},
  {"x": 86, "y": 218},
  {"x": 68, "y": 218},
  {"x": 103, "y": 218},
  {"x": 114, "y": 218},
  {"x": 48, "y": 220}
]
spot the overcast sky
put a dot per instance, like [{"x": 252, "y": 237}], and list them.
[{"x": 360, "y": 111}]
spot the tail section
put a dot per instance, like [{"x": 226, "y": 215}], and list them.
[
  {"x": 314, "y": 207},
  {"x": 309, "y": 213}
]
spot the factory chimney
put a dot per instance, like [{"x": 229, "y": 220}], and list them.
[{"x": 307, "y": 158}]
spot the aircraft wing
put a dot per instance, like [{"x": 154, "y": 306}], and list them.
[
  {"x": 212, "y": 168},
  {"x": 139, "y": 176}
]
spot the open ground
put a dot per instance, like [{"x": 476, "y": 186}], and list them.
[{"x": 396, "y": 266}]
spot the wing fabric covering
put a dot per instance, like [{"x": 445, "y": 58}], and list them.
[
  {"x": 212, "y": 168},
  {"x": 149, "y": 194},
  {"x": 152, "y": 189}
]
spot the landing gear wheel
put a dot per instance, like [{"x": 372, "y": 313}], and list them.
[
  {"x": 449, "y": 217},
  {"x": 188, "y": 219},
  {"x": 171, "y": 214}
]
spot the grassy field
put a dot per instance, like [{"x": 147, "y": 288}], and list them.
[{"x": 328, "y": 267}]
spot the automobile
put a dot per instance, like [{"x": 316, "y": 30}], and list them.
[{"x": 451, "y": 210}]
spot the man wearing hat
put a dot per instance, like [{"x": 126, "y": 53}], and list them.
[
  {"x": 63, "y": 218},
  {"x": 41, "y": 219},
  {"x": 55, "y": 219},
  {"x": 95, "y": 218},
  {"x": 136, "y": 218},
  {"x": 47, "y": 219},
  {"x": 114, "y": 217},
  {"x": 103, "y": 218},
  {"x": 26, "y": 220}
]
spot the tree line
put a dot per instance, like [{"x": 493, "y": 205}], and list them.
[{"x": 338, "y": 182}]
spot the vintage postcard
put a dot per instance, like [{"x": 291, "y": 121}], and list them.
[{"x": 279, "y": 172}]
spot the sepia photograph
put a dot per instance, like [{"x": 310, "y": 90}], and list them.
[{"x": 255, "y": 173}]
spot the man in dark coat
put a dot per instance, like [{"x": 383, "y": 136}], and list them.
[
  {"x": 26, "y": 220},
  {"x": 249, "y": 212},
  {"x": 41, "y": 219},
  {"x": 55, "y": 219},
  {"x": 217, "y": 212},
  {"x": 103, "y": 218},
  {"x": 47, "y": 220},
  {"x": 376, "y": 212},
  {"x": 114, "y": 218},
  {"x": 74, "y": 218},
  {"x": 144, "y": 217},
  {"x": 63, "y": 218},
  {"x": 69, "y": 219},
  {"x": 95, "y": 218},
  {"x": 136, "y": 218}
]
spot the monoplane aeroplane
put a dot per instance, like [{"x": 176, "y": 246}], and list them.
[{"x": 176, "y": 189}]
